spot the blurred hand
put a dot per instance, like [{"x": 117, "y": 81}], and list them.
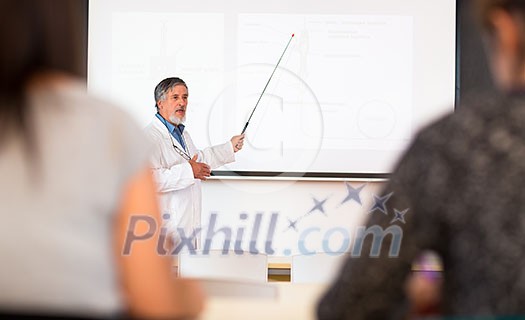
[
  {"x": 200, "y": 169},
  {"x": 237, "y": 142},
  {"x": 424, "y": 293}
]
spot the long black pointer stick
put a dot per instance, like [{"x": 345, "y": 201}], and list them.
[{"x": 266, "y": 86}]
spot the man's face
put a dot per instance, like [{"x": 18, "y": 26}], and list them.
[{"x": 173, "y": 107}]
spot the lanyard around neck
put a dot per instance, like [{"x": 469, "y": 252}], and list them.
[{"x": 181, "y": 152}]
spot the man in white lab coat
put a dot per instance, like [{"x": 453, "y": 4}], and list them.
[{"x": 178, "y": 165}]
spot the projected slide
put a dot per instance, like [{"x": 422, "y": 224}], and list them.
[
  {"x": 354, "y": 86},
  {"x": 359, "y": 68}
]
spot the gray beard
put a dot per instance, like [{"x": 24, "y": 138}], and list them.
[{"x": 176, "y": 120}]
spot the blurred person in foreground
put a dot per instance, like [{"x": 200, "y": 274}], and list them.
[
  {"x": 74, "y": 171},
  {"x": 459, "y": 190}
]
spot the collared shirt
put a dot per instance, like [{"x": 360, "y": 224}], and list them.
[{"x": 176, "y": 131}]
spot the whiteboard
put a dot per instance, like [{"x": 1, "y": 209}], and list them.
[{"x": 357, "y": 82}]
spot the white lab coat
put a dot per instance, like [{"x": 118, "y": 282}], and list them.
[{"x": 179, "y": 192}]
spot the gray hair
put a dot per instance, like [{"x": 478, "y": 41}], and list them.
[{"x": 164, "y": 86}]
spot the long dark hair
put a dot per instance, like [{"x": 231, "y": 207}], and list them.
[{"x": 35, "y": 36}]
